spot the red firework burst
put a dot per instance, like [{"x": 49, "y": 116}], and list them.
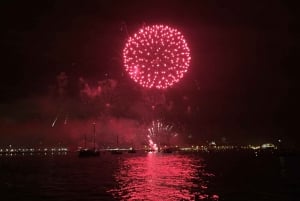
[{"x": 156, "y": 56}]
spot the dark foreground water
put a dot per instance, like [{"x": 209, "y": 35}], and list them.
[{"x": 142, "y": 176}]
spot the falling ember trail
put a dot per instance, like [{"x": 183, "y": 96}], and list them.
[
  {"x": 53, "y": 124},
  {"x": 66, "y": 120}
]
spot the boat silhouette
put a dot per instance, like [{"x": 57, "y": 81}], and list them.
[
  {"x": 117, "y": 150},
  {"x": 89, "y": 152}
]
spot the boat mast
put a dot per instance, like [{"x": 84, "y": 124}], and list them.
[
  {"x": 94, "y": 125},
  {"x": 117, "y": 141}
]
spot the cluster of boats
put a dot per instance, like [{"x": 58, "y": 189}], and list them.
[
  {"x": 92, "y": 152},
  {"x": 86, "y": 152}
]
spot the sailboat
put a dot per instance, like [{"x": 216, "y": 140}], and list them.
[
  {"x": 117, "y": 150},
  {"x": 88, "y": 152},
  {"x": 131, "y": 150}
]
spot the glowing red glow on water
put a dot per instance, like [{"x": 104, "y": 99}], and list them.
[
  {"x": 159, "y": 176},
  {"x": 156, "y": 56}
]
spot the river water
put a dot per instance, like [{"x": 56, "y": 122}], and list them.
[{"x": 150, "y": 176}]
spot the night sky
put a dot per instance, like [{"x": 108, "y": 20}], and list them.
[{"x": 240, "y": 87}]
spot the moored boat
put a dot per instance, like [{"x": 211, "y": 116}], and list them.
[{"x": 88, "y": 152}]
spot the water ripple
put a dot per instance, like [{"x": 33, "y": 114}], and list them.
[{"x": 162, "y": 177}]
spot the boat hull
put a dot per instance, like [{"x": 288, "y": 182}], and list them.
[{"x": 88, "y": 153}]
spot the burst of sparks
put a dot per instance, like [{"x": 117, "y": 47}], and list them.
[
  {"x": 158, "y": 128},
  {"x": 152, "y": 145},
  {"x": 156, "y": 56},
  {"x": 159, "y": 134}
]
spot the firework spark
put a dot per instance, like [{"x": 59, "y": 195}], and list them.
[
  {"x": 53, "y": 123},
  {"x": 152, "y": 145},
  {"x": 160, "y": 133},
  {"x": 157, "y": 56},
  {"x": 66, "y": 120}
]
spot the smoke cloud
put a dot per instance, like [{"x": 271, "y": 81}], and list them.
[{"x": 63, "y": 118}]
